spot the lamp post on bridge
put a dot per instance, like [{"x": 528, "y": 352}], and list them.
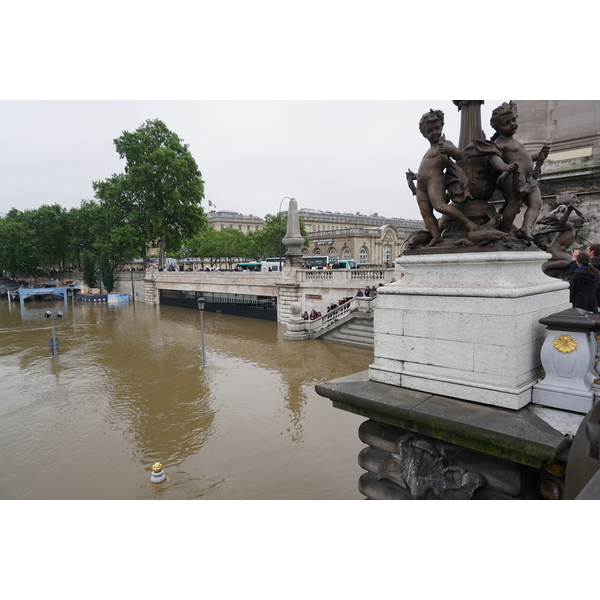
[
  {"x": 279, "y": 216},
  {"x": 201, "y": 302}
]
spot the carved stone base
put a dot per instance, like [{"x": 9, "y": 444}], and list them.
[
  {"x": 466, "y": 325},
  {"x": 422, "y": 446},
  {"x": 402, "y": 465}
]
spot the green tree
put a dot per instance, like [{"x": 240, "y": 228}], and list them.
[
  {"x": 87, "y": 225},
  {"x": 157, "y": 200},
  {"x": 52, "y": 233},
  {"x": 106, "y": 273},
  {"x": 224, "y": 246},
  {"x": 266, "y": 243},
  {"x": 20, "y": 249},
  {"x": 89, "y": 269}
]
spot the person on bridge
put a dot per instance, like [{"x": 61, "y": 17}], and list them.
[
  {"x": 584, "y": 284},
  {"x": 359, "y": 294}
]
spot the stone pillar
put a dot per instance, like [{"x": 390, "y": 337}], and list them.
[
  {"x": 293, "y": 238},
  {"x": 466, "y": 325},
  {"x": 288, "y": 294},
  {"x": 431, "y": 447},
  {"x": 150, "y": 291}
]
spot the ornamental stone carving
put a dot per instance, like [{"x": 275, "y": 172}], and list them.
[{"x": 419, "y": 468}]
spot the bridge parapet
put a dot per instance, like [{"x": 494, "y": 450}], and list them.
[
  {"x": 347, "y": 276},
  {"x": 242, "y": 277},
  {"x": 313, "y": 289}
]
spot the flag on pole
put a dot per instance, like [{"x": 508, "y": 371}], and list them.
[{"x": 211, "y": 204}]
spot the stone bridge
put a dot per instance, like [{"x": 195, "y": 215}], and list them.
[{"x": 313, "y": 289}]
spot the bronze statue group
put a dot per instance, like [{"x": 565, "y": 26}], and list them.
[{"x": 461, "y": 191}]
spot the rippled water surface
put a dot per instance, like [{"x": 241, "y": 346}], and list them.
[{"x": 128, "y": 390}]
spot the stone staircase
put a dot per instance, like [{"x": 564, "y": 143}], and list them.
[{"x": 357, "y": 330}]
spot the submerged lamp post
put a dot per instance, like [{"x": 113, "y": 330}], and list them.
[
  {"x": 201, "y": 302},
  {"x": 53, "y": 342}
]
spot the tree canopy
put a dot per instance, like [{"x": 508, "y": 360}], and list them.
[
  {"x": 266, "y": 242},
  {"x": 157, "y": 200}
]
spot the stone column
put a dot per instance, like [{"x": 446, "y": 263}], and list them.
[
  {"x": 150, "y": 291},
  {"x": 288, "y": 294}
]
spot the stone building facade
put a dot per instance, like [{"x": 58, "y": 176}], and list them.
[
  {"x": 229, "y": 219},
  {"x": 367, "y": 239},
  {"x": 571, "y": 172}
]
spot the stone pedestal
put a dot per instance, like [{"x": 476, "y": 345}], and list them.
[
  {"x": 466, "y": 325},
  {"x": 568, "y": 356},
  {"x": 424, "y": 446},
  {"x": 296, "y": 325}
]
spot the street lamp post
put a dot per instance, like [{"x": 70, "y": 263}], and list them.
[
  {"x": 54, "y": 341},
  {"x": 131, "y": 275},
  {"x": 279, "y": 215},
  {"x": 201, "y": 302}
]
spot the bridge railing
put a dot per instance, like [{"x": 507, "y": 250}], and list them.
[
  {"x": 347, "y": 276},
  {"x": 212, "y": 276},
  {"x": 364, "y": 305}
]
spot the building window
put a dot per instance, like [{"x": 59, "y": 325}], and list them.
[
  {"x": 304, "y": 252},
  {"x": 346, "y": 254},
  {"x": 332, "y": 253},
  {"x": 387, "y": 253},
  {"x": 317, "y": 252},
  {"x": 363, "y": 256}
]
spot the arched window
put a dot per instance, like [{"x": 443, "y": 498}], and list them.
[
  {"x": 305, "y": 252},
  {"x": 387, "y": 253},
  {"x": 332, "y": 253},
  {"x": 363, "y": 256},
  {"x": 317, "y": 252},
  {"x": 346, "y": 254}
]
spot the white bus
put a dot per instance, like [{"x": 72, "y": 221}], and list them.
[{"x": 272, "y": 264}]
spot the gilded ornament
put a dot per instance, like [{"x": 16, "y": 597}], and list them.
[
  {"x": 565, "y": 344},
  {"x": 554, "y": 468},
  {"x": 157, "y": 467}
]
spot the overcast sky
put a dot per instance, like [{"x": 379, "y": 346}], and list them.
[
  {"x": 319, "y": 101},
  {"x": 346, "y": 156}
]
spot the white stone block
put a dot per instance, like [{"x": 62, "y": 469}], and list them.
[
  {"x": 467, "y": 325},
  {"x": 427, "y": 351}
]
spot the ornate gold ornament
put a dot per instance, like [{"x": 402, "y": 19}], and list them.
[
  {"x": 157, "y": 467},
  {"x": 598, "y": 336},
  {"x": 555, "y": 469},
  {"x": 565, "y": 344}
]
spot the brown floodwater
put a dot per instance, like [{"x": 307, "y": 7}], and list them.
[{"x": 128, "y": 390}]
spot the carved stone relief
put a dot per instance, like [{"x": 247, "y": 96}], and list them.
[{"x": 418, "y": 467}]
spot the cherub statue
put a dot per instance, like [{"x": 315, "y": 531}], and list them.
[
  {"x": 515, "y": 165},
  {"x": 431, "y": 184},
  {"x": 564, "y": 226}
]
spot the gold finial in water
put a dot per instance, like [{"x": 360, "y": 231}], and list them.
[{"x": 157, "y": 467}]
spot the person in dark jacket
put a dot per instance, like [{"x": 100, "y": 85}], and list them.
[{"x": 585, "y": 281}]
